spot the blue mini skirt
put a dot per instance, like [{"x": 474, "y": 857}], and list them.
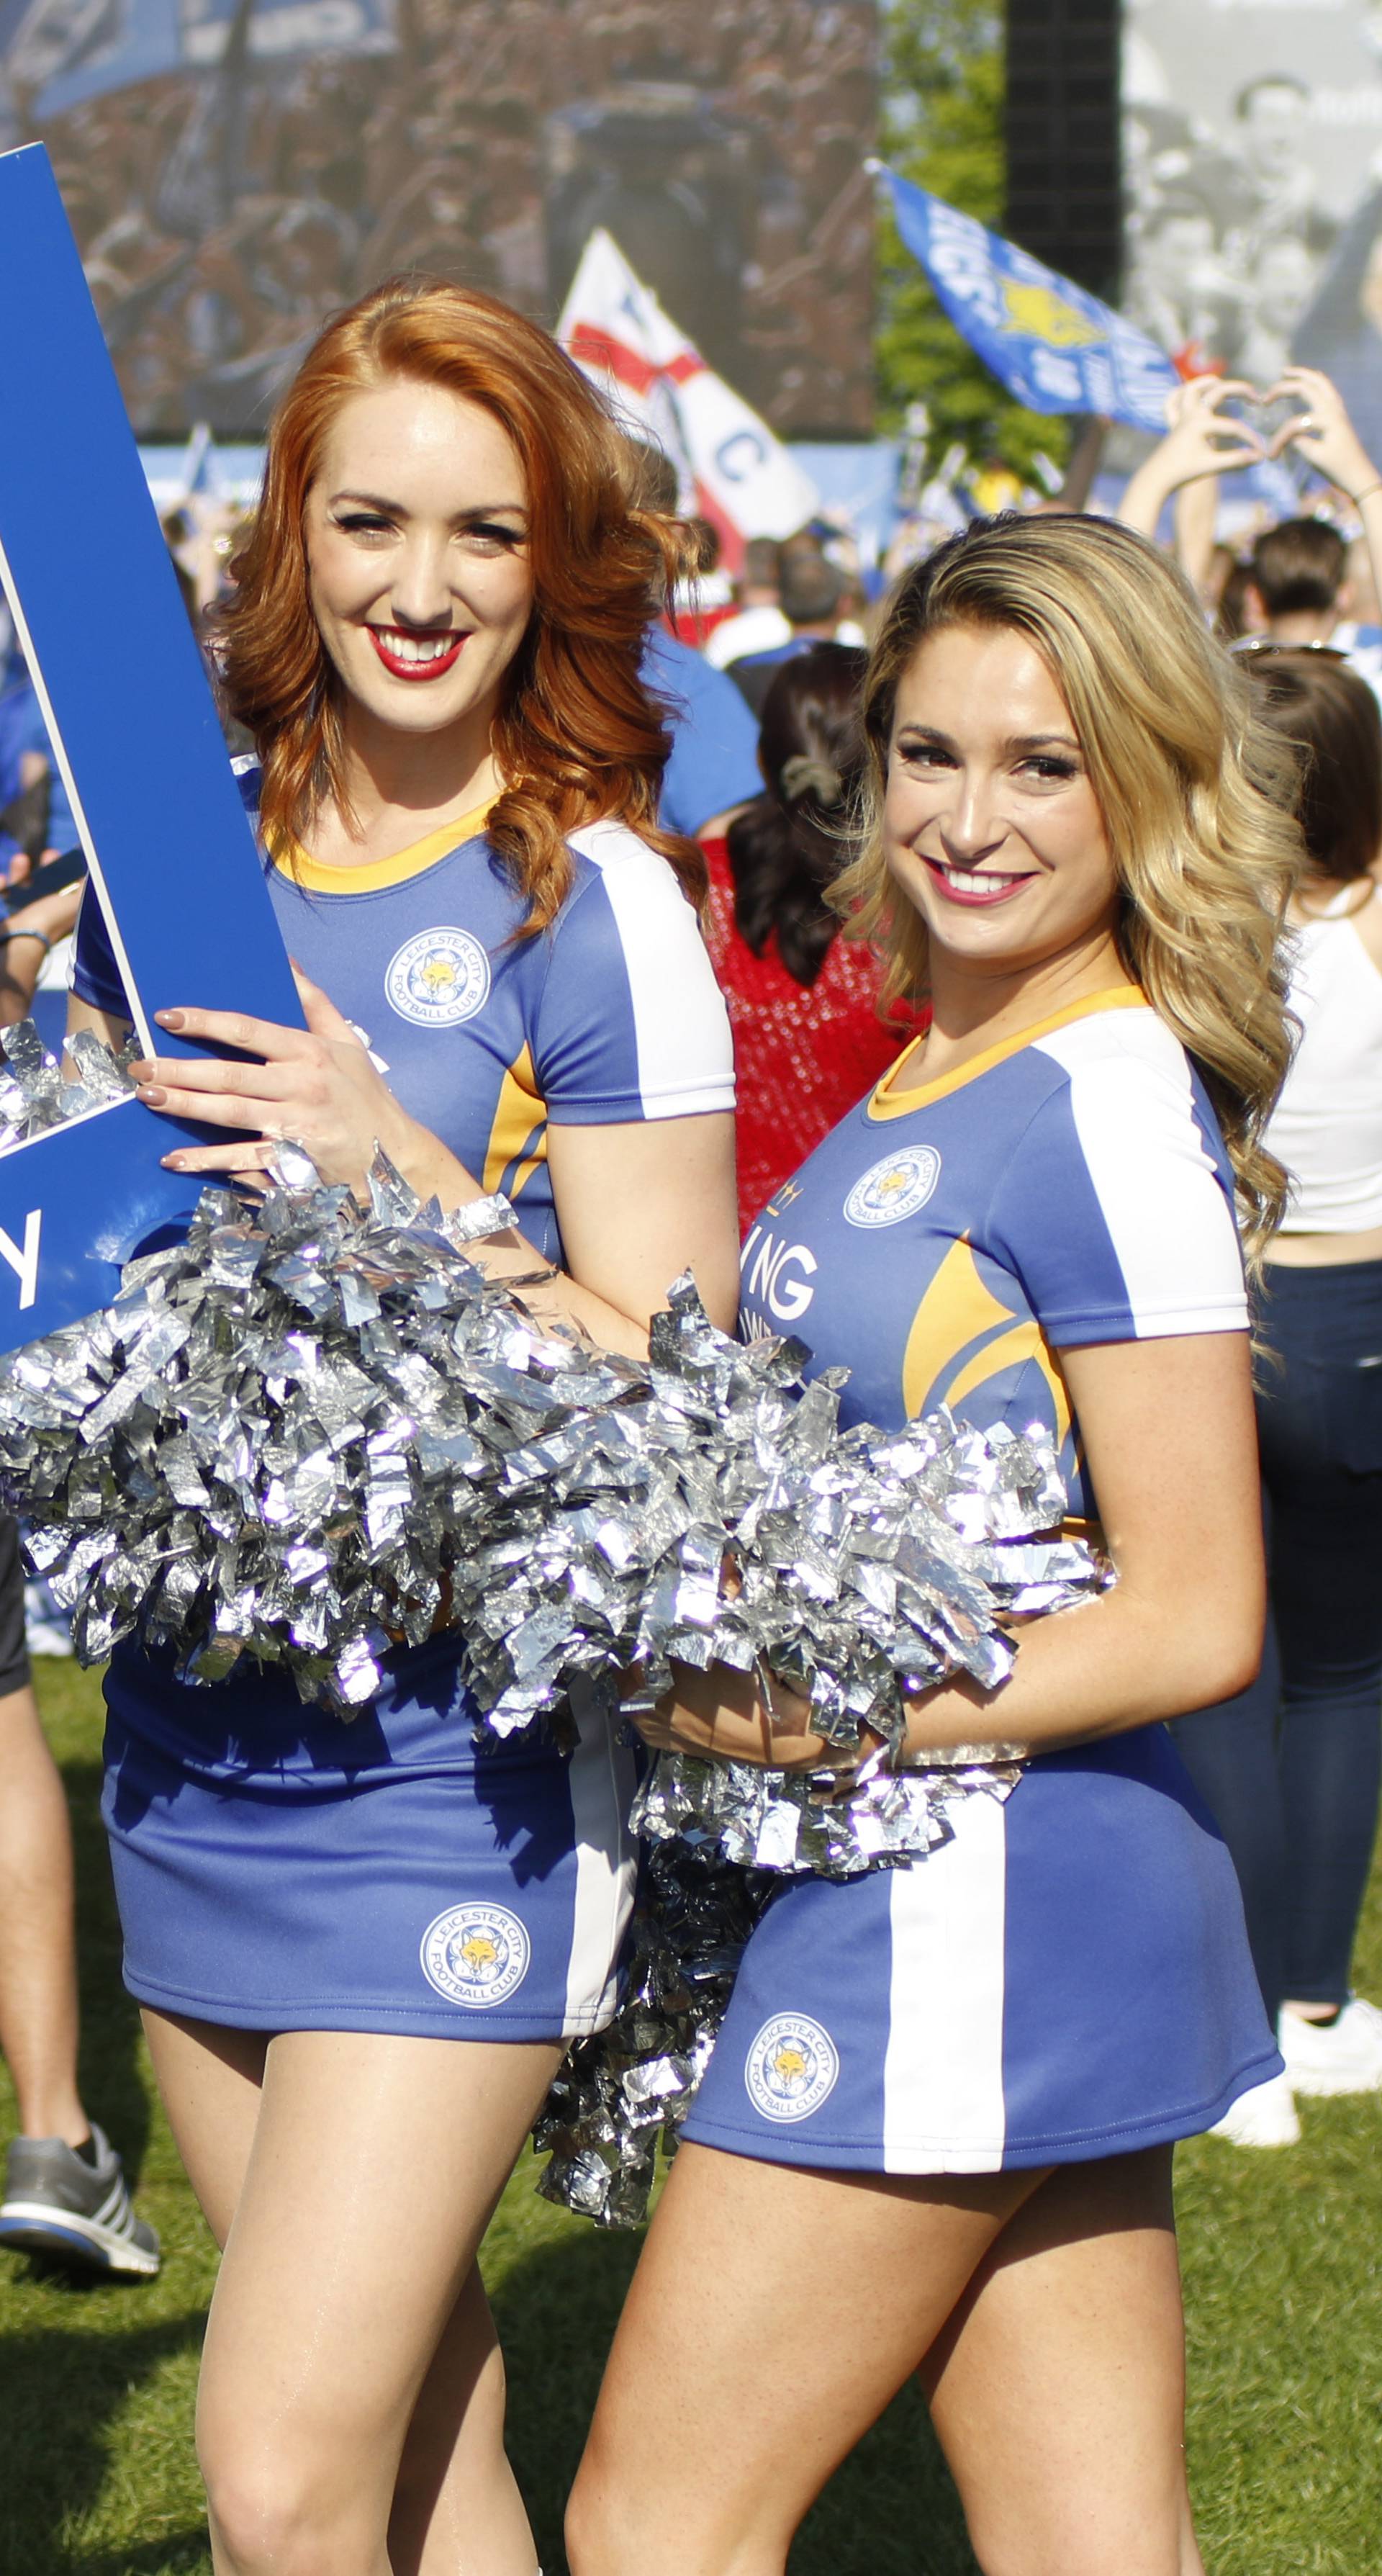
[
  {"x": 1067, "y": 1977},
  {"x": 280, "y": 1869}
]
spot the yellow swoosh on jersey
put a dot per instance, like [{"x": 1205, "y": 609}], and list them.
[
  {"x": 961, "y": 1337},
  {"x": 518, "y": 1134}
]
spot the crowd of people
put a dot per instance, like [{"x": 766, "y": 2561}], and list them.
[
  {"x": 221, "y": 214},
  {"x": 1032, "y": 906}
]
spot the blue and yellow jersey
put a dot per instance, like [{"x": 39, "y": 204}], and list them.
[
  {"x": 950, "y": 1238},
  {"x": 489, "y": 1038}
]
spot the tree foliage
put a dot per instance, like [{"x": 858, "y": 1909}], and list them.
[{"x": 943, "y": 127}]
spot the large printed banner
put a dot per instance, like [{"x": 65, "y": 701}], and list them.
[
  {"x": 137, "y": 738},
  {"x": 1054, "y": 346},
  {"x": 1252, "y": 160},
  {"x": 237, "y": 169},
  {"x": 66, "y": 52}
]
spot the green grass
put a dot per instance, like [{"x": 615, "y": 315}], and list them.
[{"x": 1281, "y": 2258}]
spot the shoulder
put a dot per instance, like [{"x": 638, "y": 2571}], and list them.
[
  {"x": 1119, "y": 1198},
  {"x": 633, "y": 878},
  {"x": 1127, "y": 1069},
  {"x": 631, "y": 1021},
  {"x": 627, "y": 899},
  {"x": 675, "y": 668},
  {"x": 695, "y": 690}
]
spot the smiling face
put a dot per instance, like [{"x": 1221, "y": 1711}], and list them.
[
  {"x": 416, "y": 530},
  {"x": 990, "y": 822}
]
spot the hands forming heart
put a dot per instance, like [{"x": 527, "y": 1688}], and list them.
[{"x": 1200, "y": 440}]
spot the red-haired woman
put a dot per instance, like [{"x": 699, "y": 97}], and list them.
[{"x": 435, "y": 642}]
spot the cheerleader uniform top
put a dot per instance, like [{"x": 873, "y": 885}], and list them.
[
  {"x": 278, "y": 1867},
  {"x": 1068, "y": 1976},
  {"x": 486, "y": 1037}
]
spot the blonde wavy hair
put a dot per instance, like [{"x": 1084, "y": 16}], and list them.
[{"x": 1196, "y": 797}]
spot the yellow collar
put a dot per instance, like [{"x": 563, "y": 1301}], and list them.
[
  {"x": 374, "y": 874},
  {"x": 892, "y": 1100}
]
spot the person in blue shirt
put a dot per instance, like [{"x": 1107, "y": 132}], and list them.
[
  {"x": 935, "y": 2132},
  {"x": 712, "y": 768},
  {"x": 361, "y": 1948},
  {"x": 712, "y": 765}
]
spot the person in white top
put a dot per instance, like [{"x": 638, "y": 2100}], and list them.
[
  {"x": 1292, "y": 1768},
  {"x": 758, "y": 625}
]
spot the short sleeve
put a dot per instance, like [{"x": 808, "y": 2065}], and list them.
[
  {"x": 1116, "y": 1212},
  {"x": 631, "y": 1023}
]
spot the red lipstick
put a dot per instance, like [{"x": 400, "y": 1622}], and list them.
[{"x": 402, "y": 666}]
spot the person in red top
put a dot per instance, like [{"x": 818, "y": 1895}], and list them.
[{"x": 803, "y": 1001}]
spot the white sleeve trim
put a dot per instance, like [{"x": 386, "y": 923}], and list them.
[
  {"x": 1172, "y": 1230},
  {"x": 681, "y": 1026}
]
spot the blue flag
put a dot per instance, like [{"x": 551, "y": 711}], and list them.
[
  {"x": 61, "y": 53},
  {"x": 1055, "y": 347}
]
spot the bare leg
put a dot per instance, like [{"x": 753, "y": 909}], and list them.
[
  {"x": 38, "y": 1970},
  {"x": 1065, "y": 2363},
  {"x": 351, "y": 2408},
  {"x": 775, "y": 2312}
]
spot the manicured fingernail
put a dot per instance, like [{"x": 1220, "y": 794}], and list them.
[
  {"x": 174, "y": 1162},
  {"x": 152, "y": 1094},
  {"x": 169, "y": 1019}
]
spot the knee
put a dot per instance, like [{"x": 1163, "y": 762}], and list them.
[
  {"x": 268, "y": 2511},
  {"x": 617, "y": 2526},
  {"x": 601, "y": 2538}
]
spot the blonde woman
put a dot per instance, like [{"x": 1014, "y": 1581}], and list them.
[{"x": 936, "y": 2133}]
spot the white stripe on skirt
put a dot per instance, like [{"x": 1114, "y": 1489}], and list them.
[
  {"x": 602, "y": 1778},
  {"x": 943, "y": 2073}
]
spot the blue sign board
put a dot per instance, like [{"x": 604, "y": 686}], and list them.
[
  {"x": 139, "y": 743},
  {"x": 1054, "y": 346}
]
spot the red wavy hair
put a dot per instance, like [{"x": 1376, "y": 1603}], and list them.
[{"x": 577, "y": 736}]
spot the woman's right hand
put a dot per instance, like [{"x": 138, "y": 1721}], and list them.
[
  {"x": 1322, "y": 432},
  {"x": 1198, "y": 440}
]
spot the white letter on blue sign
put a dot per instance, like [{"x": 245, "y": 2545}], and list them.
[{"x": 24, "y": 1264}]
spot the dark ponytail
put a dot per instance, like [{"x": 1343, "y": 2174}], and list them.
[{"x": 786, "y": 847}]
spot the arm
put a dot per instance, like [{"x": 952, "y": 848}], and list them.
[
  {"x": 1171, "y": 1441},
  {"x": 637, "y": 1202},
  {"x": 25, "y": 939},
  {"x": 1323, "y": 433},
  {"x": 1198, "y": 444},
  {"x": 1196, "y": 517}
]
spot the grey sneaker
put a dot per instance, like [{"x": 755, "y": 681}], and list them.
[{"x": 57, "y": 2204}]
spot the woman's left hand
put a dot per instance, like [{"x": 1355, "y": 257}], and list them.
[
  {"x": 724, "y": 1716},
  {"x": 315, "y": 1087}
]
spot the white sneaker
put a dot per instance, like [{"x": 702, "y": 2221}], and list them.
[
  {"x": 1343, "y": 2056},
  {"x": 1265, "y": 2117}
]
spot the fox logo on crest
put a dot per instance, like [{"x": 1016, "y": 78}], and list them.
[{"x": 476, "y": 1955}]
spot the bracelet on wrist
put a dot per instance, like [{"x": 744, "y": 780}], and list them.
[
  {"x": 41, "y": 936},
  {"x": 1367, "y": 492}
]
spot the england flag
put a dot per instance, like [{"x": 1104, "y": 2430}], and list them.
[{"x": 734, "y": 472}]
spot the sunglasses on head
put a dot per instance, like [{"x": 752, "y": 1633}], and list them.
[{"x": 1258, "y": 647}]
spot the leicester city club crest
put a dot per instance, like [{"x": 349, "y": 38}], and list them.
[
  {"x": 476, "y": 1955},
  {"x": 438, "y": 978},
  {"x": 791, "y": 2067},
  {"x": 894, "y": 1188}
]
